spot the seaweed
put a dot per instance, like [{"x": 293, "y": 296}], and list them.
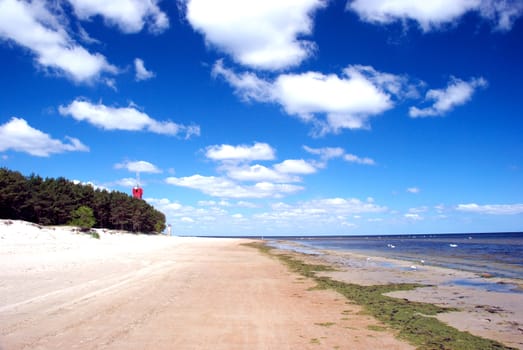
[{"x": 414, "y": 322}]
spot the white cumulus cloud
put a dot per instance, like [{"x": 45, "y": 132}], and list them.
[
  {"x": 265, "y": 34},
  {"x": 33, "y": 26},
  {"x": 256, "y": 173},
  {"x": 126, "y": 182},
  {"x": 141, "y": 72},
  {"x": 124, "y": 118},
  {"x": 295, "y": 166},
  {"x": 413, "y": 216},
  {"x": 414, "y": 190},
  {"x": 258, "y": 151},
  {"x": 432, "y": 15},
  {"x": 226, "y": 188},
  {"x": 320, "y": 210},
  {"x": 329, "y": 102},
  {"x": 457, "y": 92},
  {"x": 245, "y": 204},
  {"x": 140, "y": 166},
  {"x": 494, "y": 209},
  {"x": 19, "y": 136},
  {"x": 129, "y": 16},
  {"x": 234, "y": 162}
]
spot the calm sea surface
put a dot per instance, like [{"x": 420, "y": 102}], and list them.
[{"x": 499, "y": 254}]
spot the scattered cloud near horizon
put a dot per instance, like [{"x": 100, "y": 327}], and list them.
[
  {"x": 432, "y": 15},
  {"x": 239, "y": 178},
  {"x": 19, "y": 136},
  {"x": 266, "y": 34},
  {"x": 414, "y": 190},
  {"x": 124, "y": 118},
  {"x": 307, "y": 216},
  {"x": 493, "y": 209},
  {"x": 226, "y": 188}
]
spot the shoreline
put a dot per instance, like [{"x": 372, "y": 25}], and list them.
[
  {"x": 61, "y": 289},
  {"x": 494, "y": 255},
  {"x": 375, "y": 259},
  {"x": 489, "y": 307}
]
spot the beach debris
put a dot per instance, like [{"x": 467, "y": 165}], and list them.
[
  {"x": 413, "y": 267},
  {"x": 453, "y": 245},
  {"x": 391, "y": 245},
  {"x": 490, "y": 308}
]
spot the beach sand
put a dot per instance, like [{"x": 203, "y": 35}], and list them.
[
  {"x": 488, "y": 307},
  {"x": 64, "y": 290}
]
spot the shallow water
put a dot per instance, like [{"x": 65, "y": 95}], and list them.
[
  {"x": 499, "y": 254},
  {"x": 486, "y": 285}
]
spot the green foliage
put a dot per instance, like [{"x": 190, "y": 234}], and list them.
[
  {"x": 376, "y": 328},
  {"x": 83, "y": 217},
  {"x": 52, "y": 201},
  {"x": 414, "y": 321}
]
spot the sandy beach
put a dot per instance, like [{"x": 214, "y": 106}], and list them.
[
  {"x": 488, "y": 307},
  {"x": 64, "y": 290}
]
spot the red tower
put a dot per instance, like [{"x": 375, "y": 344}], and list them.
[{"x": 137, "y": 192}]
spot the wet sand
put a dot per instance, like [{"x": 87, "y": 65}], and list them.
[
  {"x": 488, "y": 307},
  {"x": 63, "y": 290}
]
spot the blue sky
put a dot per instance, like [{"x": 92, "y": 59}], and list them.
[{"x": 274, "y": 118}]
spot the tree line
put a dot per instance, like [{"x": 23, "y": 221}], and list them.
[{"x": 51, "y": 201}]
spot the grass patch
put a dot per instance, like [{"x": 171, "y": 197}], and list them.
[
  {"x": 376, "y": 328},
  {"x": 325, "y": 324},
  {"x": 315, "y": 341},
  {"x": 413, "y": 321}
]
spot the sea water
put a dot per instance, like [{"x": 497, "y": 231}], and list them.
[{"x": 496, "y": 254}]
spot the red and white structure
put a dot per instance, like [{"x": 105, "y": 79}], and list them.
[{"x": 137, "y": 190}]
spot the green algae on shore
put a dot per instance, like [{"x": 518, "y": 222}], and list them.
[{"x": 413, "y": 321}]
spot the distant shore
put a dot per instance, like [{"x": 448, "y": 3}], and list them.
[{"x": 62, "y": 289}]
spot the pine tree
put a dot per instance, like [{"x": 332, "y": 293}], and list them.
[{"x": 83, "y": 217}]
